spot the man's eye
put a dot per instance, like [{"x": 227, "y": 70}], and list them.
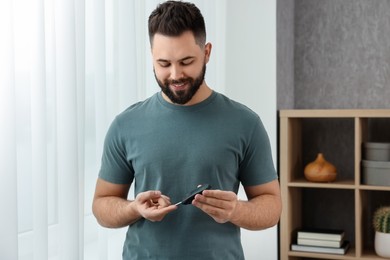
[
  {"x": 164, "y": 64},
  {"x": 185, "y": 63}
]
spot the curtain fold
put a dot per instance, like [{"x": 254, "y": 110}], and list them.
[
  {"x": 99, "y": 75},
  {"x": 8, "y": 169},
  {"x": 81, "y": 104},
  {"x": 127, "y": 49},
  {"x": 67, "y": 130},
  {"x": 38, "y": 132}
]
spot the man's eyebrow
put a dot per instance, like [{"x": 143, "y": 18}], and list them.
[
  {"x": 181, "y": 60},
  {"x": 187, "y": 58}
]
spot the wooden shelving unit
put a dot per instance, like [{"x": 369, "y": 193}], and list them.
[{"x": 343, "y": 204}]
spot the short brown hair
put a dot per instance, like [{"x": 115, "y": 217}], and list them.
[{"x": 172, "y": 18}]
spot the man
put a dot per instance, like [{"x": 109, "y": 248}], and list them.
[{"x": 181, "y": 137}]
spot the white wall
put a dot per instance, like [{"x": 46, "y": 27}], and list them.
[{"x": 251, "y": 79}]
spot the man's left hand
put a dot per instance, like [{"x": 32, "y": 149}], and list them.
[{"x": 220, "y": 205}]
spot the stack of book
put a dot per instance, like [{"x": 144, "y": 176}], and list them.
[{"x": 321, "y": 241}]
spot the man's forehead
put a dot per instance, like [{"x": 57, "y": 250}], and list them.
[
  {"x": 186, "y": 37},
  {"x": 175, "y": 47}
]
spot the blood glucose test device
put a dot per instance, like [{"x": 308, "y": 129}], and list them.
[{"x": 191, "y": 195}]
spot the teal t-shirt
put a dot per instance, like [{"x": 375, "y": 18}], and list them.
[{"x": 162, "y": 146}]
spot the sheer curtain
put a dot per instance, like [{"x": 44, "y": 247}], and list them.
[{"x": 67, "y": 67}]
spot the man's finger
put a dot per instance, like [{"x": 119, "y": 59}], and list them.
[{"x": 149, "y": 195}]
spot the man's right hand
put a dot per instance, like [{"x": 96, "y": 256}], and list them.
[
  {"x": 112, "y": 209},
  {"x": 152, "y": 205}
]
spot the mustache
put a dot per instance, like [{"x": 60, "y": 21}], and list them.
[{"x": 177, "y": 81}]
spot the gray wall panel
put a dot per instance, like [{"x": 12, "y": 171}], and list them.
[
  {"x": 285, "y": 54},
  {"x": 342, "y": 54}
]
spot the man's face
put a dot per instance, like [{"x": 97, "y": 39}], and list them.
[{"x": 179, "y": 66}]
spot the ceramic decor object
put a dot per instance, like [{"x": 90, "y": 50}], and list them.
[{"x": 320, "y": 170}]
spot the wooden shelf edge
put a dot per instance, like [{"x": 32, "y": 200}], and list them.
[
  {"x": 373, "y": 188},
  {"x": 349, "y": 185},
  {"x": 335, "y": 113},
  {"x": 345, "y": 184},
  {"x": 348, "y": 256}
]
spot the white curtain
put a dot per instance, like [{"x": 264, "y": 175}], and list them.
[{"x": 67, "y": 67}]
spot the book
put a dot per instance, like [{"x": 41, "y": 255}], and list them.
[
  {"x": 322, "y": 249},
  {"x": 319, "y": 242},
  {"x": 321, "y": 234}
]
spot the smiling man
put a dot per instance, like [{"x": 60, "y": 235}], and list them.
[
  {"x": 177, "y": 139},
  {"x": 180, "y": 67}
]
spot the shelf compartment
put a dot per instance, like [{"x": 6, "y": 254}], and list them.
[
  {"x": 306, "y": 137},
  {"x": 370, "y": 200},
  {"x": 334, "y": 138},
  {"x": 320, "y": 208},
  {"x": 332, "y": 209},
  {"x": 371, "y": 130}
]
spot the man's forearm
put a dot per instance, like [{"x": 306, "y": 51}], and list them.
[
  {"x": 258, "y": 213},
  {"x": 114, "y": 212}
]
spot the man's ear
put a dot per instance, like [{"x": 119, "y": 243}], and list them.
[{"x": 207, "y": 51}]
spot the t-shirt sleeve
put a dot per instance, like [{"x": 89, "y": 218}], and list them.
[
  {"x": 257, "y": 166},
  {"x": 115, "y": 167}
]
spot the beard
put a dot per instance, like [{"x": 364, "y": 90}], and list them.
[{"x": 183, "y": 96}]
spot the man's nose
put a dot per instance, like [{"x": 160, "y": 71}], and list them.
[{"x": 176, "y": 72}]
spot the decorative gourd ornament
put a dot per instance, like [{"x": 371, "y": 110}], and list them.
[{"x": 320, "y": 170}]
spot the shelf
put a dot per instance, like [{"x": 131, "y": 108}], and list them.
[
  {"x": 347, "y": 184},
  {"x": 346, "y": 203},
  {"x": 370, "y": 255},
  {"x": 335, "y": 113},
  {"x": 349, "y": 255},
  {"x": 371, "y": 187}
]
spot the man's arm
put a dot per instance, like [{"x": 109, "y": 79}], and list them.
[
  {"x": 261, "y": 211},
  {"x": 112, "y": 209}
]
